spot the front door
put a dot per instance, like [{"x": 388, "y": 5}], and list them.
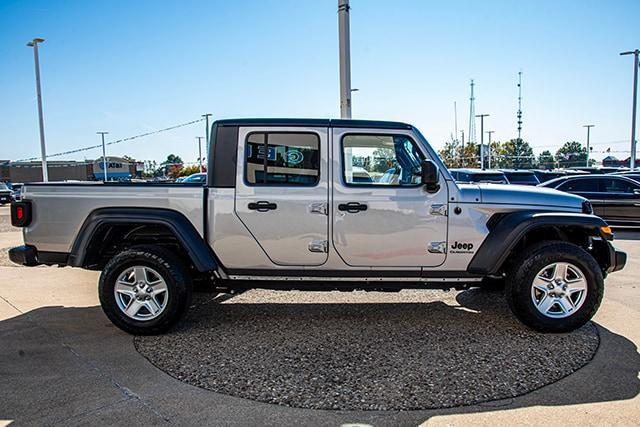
[
  {"x": 282, "y": 192},
  {"x": 382, "y": 215},
  {"x": 622, "y": 200}
]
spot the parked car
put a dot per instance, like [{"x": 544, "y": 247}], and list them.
[
  {"x": 479, "y": 175},
  {"x": 633, "y": 174},
  {"x": 615, "y": 198},
  {"x": 598, "y": 170},
  {"x": 195, "y": 178},
  {"x": 287, "y": 209},
  {"x": 6, "y": 195},
  {"x": 545, "y": 175},
  {"x": 520, "y": 176}
]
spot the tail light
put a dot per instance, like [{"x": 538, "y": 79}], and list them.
[{"x": 21, "y": 213}]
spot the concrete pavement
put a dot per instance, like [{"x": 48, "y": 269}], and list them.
[{"x": 62, "y": 362}]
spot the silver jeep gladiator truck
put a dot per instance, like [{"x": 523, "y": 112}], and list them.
[{"x": 314, "y": 204}]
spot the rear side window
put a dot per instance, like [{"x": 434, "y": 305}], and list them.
[
  {"x": 287, "y": 159},
  {"x": 521, "y": 178},
  {"x": 385, "y": 160},
  {"x": 589, "y": 185},
  {"x": 612, "y": 185}
]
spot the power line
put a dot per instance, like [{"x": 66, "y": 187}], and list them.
[{"x": 118, "y": 141}]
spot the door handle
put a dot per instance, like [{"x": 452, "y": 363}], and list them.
[
  {"x": 352, "y": 207},
  {"x": 262, "y": 206}
]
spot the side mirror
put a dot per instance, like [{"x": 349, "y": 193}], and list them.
[
  {"x": 430, "y": 176},
  {"x": 636, "y": 191}
]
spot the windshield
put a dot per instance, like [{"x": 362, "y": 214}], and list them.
[
  {"x": 522, "y": 178},
  {"x": 496, "y": 178},
  {"x": 3, "y": 186}
]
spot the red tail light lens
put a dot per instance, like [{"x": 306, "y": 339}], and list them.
[{"x": 21, "y": 213}]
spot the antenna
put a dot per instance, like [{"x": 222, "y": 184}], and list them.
[
  {"x": 471, "y": 137},
  {"x": 519, "y": 114}
]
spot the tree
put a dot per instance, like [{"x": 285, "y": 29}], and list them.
[
  {"x": 450, "y": 154},
  {"x": 545, "y": 160},
  {"x": 572, "y": 154},
  {"x": 191, "y": 169},
  {"x": 518, "y": 154}
]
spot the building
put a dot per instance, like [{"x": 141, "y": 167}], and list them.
[
  {"x": 118, "y": 169},
  {"x": 612, "y": 161}
]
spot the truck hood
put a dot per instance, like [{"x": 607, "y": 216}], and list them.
[{"x": 519, "y": 195}]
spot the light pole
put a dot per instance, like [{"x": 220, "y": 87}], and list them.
[
  {"x": 43, "y": 149},
  {"x": 206, "y": 135},
  {"x": 635, "y": 99},
  {"x": 489, "y": 150},
  {"x": 462, "y": 154},
  {"x": 588, "y": 132},
  {"x": 344, "y": 44},
  {"x": 199, "y": 138},
  {"x": 104, "y": 155},
  {"x": 482, "y": 116}
]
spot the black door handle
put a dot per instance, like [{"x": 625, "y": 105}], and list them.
[
  {"x": 352, "y": 207},
  {"x": 262, "y": 206}
]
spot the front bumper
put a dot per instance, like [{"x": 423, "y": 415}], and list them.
[{"x": 619, "y": 259}]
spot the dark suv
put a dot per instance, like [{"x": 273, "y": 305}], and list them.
[
  {"x": 615, "y": 198},
  {"x": 520, "y": 177}
]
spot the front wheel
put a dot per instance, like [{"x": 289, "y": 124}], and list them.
[
  {"x": 144, "y": 290},
  {"x": 555, "y": 287}
]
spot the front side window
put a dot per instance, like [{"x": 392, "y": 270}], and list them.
[
  {"x": 589, "y": 185},
  {"x": 391, "y": 160},
  {"x": 288, "y": 159}
]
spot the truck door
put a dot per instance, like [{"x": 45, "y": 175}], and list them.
[
  {"x": 382, "y": 215},
  {"x": 282, "y": 192}
]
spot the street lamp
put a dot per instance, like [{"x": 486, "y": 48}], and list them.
[
  {"x": 588, "y": 129},
  {"x": 635, "y": 99},
  {"x": 43, "y": 150},
  {"x": 482, "y": 116},
  {"x": 104, "y": 155},
  {"x": 490, "y": 132},
  {"x": 199, "y": 138}
]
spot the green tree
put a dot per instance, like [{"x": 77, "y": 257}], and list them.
[
  {"x": 572, "y": 154},
  {"x": 450, "y": 154},
  {"x": 546, "y": 160},
  {"x": 518, "y": 154}
]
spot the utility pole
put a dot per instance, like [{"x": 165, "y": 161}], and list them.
[
  {"x": 489, "y": 151},
  {"x": 206, "y": 135},
  {"x": 43, "y": 149},
  {"x": 635, "y": 102},
  {"x": 462, "y": 152},
  {"x": 471, "y": 136},
  {"x": 588, "y": 129},
  {"x": 482, "y": 116},
  {"x": 104, "y": 155},
  {"x": 199, "y": 138},
  {"x": 345, "y": 58}
]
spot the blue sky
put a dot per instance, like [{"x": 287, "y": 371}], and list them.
[{"x": 130, "y": 67}]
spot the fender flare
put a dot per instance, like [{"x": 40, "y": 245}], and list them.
[
  {"x": 198, "y": 250},
  {"x": 508, "y": 231}
]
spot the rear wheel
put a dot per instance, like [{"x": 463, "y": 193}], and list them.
[
  {"x": 144, "y": 290},
  {"x": 555, "y": 287}
]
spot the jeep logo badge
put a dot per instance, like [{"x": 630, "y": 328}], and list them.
[{"x": 462, "y": 248}]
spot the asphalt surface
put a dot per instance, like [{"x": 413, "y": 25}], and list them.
[{"x": 63, "y": 363}]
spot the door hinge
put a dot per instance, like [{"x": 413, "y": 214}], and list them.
[
  {"x": 319, "y": 208},
  {"x": 319, "y": 246},
  {"x": 438, "y": 209}
]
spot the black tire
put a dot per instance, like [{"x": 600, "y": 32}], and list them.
[
  {"x": 172, "y": 271},
  {"x": 525, "y": 268}
]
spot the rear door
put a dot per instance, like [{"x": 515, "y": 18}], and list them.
[
  {"x": 282, "y": 192},
  {"x": 382, "y": 215},
  {"x": 622, "y": 200}
]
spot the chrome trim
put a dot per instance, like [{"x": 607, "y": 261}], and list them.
[
  {"x": 438, "y": 209},
  {"x": 319, "y": 208}
]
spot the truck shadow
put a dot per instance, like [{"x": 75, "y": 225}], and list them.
[{"x": 422, "y": 358}]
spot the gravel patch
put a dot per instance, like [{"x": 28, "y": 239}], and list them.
[
  {"x": 4, "y": 258},
  {"x": 5, "y": 224},
  {"x": 365, "y": 351}
]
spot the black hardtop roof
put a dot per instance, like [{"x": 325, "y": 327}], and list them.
[{"x": 345, "y": 123}]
